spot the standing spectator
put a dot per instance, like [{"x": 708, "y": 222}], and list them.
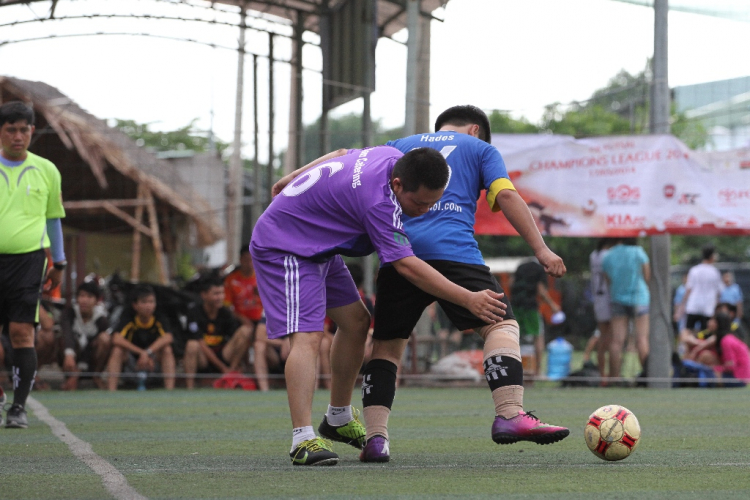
[
  {"x": 144, "y": 340},
  {"x": 241, "y": 295},
  {"x": 86, "y": 339},
  {"x": 702, "y": 292},
  {"x": 219, "y": 343},
  {"x": 529, "y": 283},
  {"x": 732, "y": 294},
  {"x": 601, "y": 298},
  {"x": 626, "y": 266},
  {"x": 30, "y": 212}
]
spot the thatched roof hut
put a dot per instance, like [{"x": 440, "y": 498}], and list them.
[{"x": 109, "y": 183}]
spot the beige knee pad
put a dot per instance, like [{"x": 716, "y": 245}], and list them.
[{"x": 501, "y": 339}]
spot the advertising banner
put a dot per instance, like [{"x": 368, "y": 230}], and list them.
[{"x": 623, "y": 186}]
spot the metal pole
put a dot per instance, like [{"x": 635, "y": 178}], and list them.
[
  {"x": 235, "y": 188},
  {"x": 660, "y": 341},
  {"x": 257, "y": 174},
  {"x": 292, "y": 160},
  {"x": 271, "y": 109},
  {"x": 412, "y": 66}
]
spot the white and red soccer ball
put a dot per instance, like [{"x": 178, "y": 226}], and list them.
[{"x": 612, "y": 432}]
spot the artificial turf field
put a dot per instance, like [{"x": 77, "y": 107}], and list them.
[{"x": 234, "y": 444}]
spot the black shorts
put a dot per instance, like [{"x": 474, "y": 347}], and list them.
[
  {"x": 399, "y": 304},
  {"x": 21, "y": 282}
]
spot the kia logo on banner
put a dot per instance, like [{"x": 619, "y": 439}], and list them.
[{"x": 669, "y": 191}]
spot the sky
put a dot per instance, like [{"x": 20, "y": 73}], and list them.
[{"x": 514, "y": 55}]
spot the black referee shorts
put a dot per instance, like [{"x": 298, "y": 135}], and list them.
[
  {"x": 399, "y": 304},
  {"x": 21, "y": 282}
]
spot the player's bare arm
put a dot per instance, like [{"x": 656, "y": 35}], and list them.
[
  {"x": 144, "y": 361},
  {"x": 161, "y": 342},
  {"x": 485, "y": 304},
  {"x": 281, "y": 184},
  {"x": 542, "y": 291},
  {"x": 519, "y": 216}
]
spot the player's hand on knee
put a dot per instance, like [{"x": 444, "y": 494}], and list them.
[{"x": 486, "y": 305}]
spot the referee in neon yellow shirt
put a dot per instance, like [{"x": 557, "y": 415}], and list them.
[{"x": 30, "y": 213}]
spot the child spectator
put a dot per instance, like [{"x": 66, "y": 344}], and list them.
[
  {"x": 218, "y": 342},
  {"x": 86, "y": 339},
  {"x": 144, "y": 340}
]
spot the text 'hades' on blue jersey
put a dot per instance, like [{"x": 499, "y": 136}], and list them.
[{"x": 446, "y": 232}]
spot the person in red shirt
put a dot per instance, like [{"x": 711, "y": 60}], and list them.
[{"x": 241, "y": 295}]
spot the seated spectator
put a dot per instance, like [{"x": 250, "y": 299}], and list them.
[
  {"x": 85, "y": 336},
  {"x": 702, "y": 345},
  {"x": 734, "y": 355},
  {"x": 144, "y": 341},
  {"x": 242, "y": 297},
  {"x": 217, "y": 342}
]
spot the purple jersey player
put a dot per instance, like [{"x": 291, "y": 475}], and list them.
[{"x": 347, "y": 205}]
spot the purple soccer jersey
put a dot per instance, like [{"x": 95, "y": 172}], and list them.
[
  {"x": 341, "y": 207},
  {"x": 344, "y": 206}
]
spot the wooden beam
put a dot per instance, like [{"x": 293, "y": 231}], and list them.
[
  {"x": 99, "y": 204},
  {"x": 127, "y": 218},
  {"x": 135, "y": 266},
  {"x": 153, "y": 221}
]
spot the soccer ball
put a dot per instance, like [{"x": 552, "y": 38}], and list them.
[{"x": 612, "y": 432}]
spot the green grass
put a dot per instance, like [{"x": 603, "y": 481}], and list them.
[{"x": 227, "y": 444}]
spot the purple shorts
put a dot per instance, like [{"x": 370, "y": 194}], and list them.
[{"x": 296, "y": 292}]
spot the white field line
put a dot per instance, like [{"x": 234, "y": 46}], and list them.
[{"x": 112, "y": 479}]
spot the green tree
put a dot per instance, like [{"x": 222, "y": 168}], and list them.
[
  {"x": 620, "y": 107},
  {"x": 583, "y": 121},
  {"x": 185, "y": 138},
  {"x": 502, "y": 123}
]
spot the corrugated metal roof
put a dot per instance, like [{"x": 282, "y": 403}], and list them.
[{"x": 391, "y": 13}]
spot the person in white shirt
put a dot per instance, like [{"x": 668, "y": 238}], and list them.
[{"x": 703, "y": 288}]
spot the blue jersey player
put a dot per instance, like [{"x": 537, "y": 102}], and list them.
[{"x": 444, "y": 238}]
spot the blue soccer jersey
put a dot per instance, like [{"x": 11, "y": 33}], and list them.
[{"x": 446, "y": 232}]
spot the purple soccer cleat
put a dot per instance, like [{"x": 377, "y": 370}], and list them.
[
  {"x": 376, "y": 450},
  {"x": 526, "y": 427}
]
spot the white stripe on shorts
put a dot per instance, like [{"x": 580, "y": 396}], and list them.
[{"x": 291, "y": 282}]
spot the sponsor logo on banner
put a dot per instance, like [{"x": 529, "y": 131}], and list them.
[
  {"x": 681, "y": 220},
  {"x": 626, "y": 221},
  {"x": 589, "y": 208},
  {"x": 688, "y": 198},
  {"x": 731, "y": 196},
  {"x": 669, "y": 191},
  {"x": 624, "y": 195}
]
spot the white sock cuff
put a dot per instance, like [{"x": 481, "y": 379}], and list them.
[
  {"x": 339, "y": 415},
  {"x": 300, "y": 434}
]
